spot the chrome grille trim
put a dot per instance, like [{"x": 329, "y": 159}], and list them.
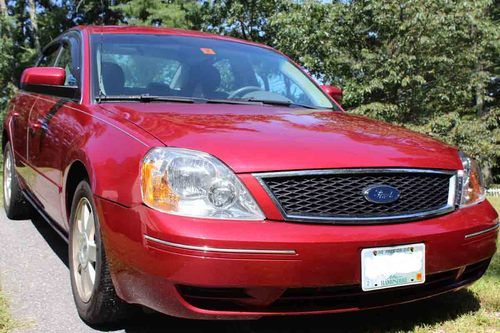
[{"x": 449, "y": 207}]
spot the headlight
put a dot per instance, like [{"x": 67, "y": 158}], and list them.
[
  {"x": 192, "y": 183},
  {"x": 473, "y": 190}
]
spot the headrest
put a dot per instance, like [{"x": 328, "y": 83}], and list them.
[{"x": 112, "y": 78}]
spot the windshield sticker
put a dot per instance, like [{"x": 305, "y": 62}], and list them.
[{"x": 207, "y": 50}]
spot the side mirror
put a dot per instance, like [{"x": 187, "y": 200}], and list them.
[
  {"x": 49, "y": 76},
  {"x": 48, "y": 81},
  {"x": 333, "y": 92}
]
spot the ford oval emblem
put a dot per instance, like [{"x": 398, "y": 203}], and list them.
[{"x": 381, "y": 194}]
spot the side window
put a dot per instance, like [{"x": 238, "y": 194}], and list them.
[
  {"x": 49, "y": 58},
  {"x": 65, "y": 60}
]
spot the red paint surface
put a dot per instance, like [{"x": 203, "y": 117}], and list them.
[
  {"x": 266, "y": 138},
  {"x": 54, "y": 76},
  {"x": 333, "y": 92},
  {"x": 50, "y": 135}
]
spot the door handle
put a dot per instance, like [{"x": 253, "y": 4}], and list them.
[
  {"x": 14, "y": 117},
  {"x": 37, "y": 125}
]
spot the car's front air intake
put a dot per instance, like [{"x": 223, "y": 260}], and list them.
[{"x": 361, "y": 195}]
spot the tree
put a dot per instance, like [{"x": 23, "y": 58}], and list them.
[
  {"x": 97, "y": 12},
  {"x": 171, "y": 13},
  {"x": 247, "y": 19},
  {"x": 3, "y": 8},
  {"x": 7, "y": 62},
  {"x": 33, "y": 24},
  {"x": 429, "y": 65},
  {"x": 420, "y": 64}
]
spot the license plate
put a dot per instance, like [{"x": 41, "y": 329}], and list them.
[{"x": 395, "y": 266}]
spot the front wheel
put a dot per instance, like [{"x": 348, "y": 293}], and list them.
[{"x": 93, "y": 291}]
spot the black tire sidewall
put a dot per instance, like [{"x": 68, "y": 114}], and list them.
[{"x": 86, "y": 309}]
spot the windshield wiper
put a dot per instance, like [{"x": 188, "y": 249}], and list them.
[
  {"x": 280, "y": 103},
  {"x": 149, "y": 98},
  {"x": 232, "y": 101},
  {"x": 177, "y": 99}
]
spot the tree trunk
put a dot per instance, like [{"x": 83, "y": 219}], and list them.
[
  {"x": 3, "y": 8},
  {"x": 480, "y": 90},
  {"x": 34, "y": 24}
]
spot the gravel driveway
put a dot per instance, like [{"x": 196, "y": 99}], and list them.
[{"x": 35, "y": 277}]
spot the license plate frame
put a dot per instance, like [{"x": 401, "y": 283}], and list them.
[{"x": 392, "y": 266}]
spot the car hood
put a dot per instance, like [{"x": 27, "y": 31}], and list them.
[{"x": 255, "y": 138}]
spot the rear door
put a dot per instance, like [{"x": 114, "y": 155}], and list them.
[{"x": 49, "y": 138}]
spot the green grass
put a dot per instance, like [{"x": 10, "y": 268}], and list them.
[
  {"x": 495, "y": 201},
  {"x": 6, "y": 322}
]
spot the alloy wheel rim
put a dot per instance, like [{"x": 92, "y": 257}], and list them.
[
  {"x": 7, "y": 180},
  {"x": 84, "y": 250}
]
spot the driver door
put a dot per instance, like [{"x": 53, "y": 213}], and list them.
[{"x": 49, "y": 137}]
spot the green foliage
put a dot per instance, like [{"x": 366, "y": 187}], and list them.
[
  {"x": 477, "y": 136},
  {"x": 7, "y": 62},
  {"x": 421, "y": 64},
  {"x": 426, "y": 65},
  {"x": 6, "y": 59},
  {"x": 247, "y": 19},
  {"x": 7, "y": 324},
  {"x": 171, "y": 13}
]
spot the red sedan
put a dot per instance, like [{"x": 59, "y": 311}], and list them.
[{"x": 209, "y": 177}]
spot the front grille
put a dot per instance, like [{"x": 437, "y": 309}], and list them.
[
  {"x": 339, "y": 195},
  {"x": 329, "y": 298}
]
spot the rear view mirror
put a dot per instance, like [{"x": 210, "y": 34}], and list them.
[
  {"x": 48, "y": 81},
  {"x": 333, "y": 92}
]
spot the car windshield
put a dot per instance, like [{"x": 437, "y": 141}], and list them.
[{"x": 201, "y": 69}]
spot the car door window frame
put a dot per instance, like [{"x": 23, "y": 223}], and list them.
[
  {"x": 75, "y": 63},
  {"x": 57, "y": 51},
  {"x": 74, "y": 40}
]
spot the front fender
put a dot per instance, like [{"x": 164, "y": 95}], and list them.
[{"x": 111, "y": 153}]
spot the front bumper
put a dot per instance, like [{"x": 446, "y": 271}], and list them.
[{"x": 184, "y": 266}]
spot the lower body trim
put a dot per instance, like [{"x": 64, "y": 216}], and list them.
[
  {"x": 475, "y": 234},
  {"x": 219, "y": 250}
]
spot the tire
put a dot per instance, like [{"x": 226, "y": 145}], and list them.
[
  {"x": 98, "y": 304},
  {"x": 15, "y": 205}
]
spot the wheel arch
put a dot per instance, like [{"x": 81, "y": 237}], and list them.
[{"x": 77, "y": 172}]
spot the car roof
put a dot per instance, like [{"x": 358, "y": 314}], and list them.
[{"x": 128, "y": 29}]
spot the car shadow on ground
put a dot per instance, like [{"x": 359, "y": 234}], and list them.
[
  {"x": 56, "y": 243},
  {"x": 391, "y": 319}
]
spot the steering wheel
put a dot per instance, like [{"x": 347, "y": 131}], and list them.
[{"x": 243, "y": 91}]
